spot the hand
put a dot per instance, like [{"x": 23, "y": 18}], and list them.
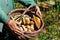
[
  {"x": 13, "y": 26},
  {"x": 37, "y": 9}
]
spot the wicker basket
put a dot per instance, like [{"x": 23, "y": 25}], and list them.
[{"x": 30, "y": 13}]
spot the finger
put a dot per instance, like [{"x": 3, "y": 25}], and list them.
[
  {"x": 39, "y": 13},
  {"x": 19, "y": 29},
  {"x": 18, "y": 23},
  {"x": 11, "y": 27},
  {"x": 18, "y": 32}
]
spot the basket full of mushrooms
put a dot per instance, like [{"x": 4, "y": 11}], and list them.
[{"x": 30, "y": 22}]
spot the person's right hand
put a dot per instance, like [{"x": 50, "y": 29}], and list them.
[{"x": 13, "y": 26}]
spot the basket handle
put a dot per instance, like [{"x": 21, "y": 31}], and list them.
[{"x": 28, "y": 8}]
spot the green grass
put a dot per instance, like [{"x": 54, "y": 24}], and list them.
[{"x": 51, "y": 29}]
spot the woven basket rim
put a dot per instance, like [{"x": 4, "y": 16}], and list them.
[{"x": 38, "y": 31}]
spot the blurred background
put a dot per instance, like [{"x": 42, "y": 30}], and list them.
[{"x": 51, "y": 15}]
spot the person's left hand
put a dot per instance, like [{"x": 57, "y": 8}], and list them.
[{"x": 37, "y": 9}]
